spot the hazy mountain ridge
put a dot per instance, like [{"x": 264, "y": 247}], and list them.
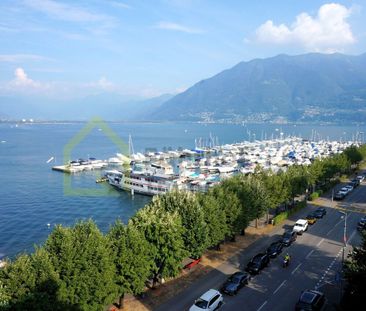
[
  {"x": 108, "y": 106},
  {"x": 296, "y": 88}
]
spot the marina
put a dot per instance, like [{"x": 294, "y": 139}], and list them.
[
  {"x": 39, "y": 198},
  {"x": 201, "y": 168}
]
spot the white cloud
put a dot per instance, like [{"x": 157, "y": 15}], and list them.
[
  {"x": 66, "y": 12},
  {"x": 178, "y": 27},
  {"x": 120, "y": 4},
  {"x": 15, "y": 58},
  {"x": 329, "y": 31},
  {"x": 22, "y": 80}
]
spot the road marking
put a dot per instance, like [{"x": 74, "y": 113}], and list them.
[
  {"x": 308, "y": 255},
  {"x": 320, "y": 242},
  {"x": 334, "y": 226},
  {"x": 296, "y": 268},
  {"x": 351, "y": 236},
  {"x": 278, "y": 288},
  {"x": 327, "y": 270},
  {"x": 264, "y": 303}
]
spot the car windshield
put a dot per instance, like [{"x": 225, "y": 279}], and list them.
[
  {"x": 307, "y": 297},
  {"x": 256, "y": 260},
  {"x": 235, "y": 279},
  {"x": 201, "y": 303},
  {"x": 287, "y": 235}
]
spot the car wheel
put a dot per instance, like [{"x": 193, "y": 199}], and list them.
[{"x": 219, "y": 305}]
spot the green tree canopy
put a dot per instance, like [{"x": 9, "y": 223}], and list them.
[
  {"x": 164, "y": 232},
  {"x": 132, "y": 258},
  {"x": 82, "y": 258},
  {"x": 192, "y": 216}
]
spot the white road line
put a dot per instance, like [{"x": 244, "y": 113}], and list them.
[
  {"x": 298, "y": 266},
  {"x": 320, "y": 242},
  {"x": 264, "y": 303},
  {"x": 351, "y": 236},
  {"x": 334, "y": 226},
  {"x": 308, "y": 255},
  {"x": 278, "y": 288}
]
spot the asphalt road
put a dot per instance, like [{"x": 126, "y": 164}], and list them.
[{"x": 316, "y": 258}]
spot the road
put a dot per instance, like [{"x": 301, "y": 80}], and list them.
[{"x": 316, "y": 262}]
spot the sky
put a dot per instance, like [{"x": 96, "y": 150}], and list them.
[{"x": 68, "y": 49}]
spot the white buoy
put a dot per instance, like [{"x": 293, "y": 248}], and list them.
[{"x": 48, "y": 225}]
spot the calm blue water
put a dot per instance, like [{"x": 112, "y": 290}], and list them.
[{"x": 32, "y": 195}]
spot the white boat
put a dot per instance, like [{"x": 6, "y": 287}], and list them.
[{"x": 156, "y": 179}]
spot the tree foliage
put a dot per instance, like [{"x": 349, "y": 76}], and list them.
[
  {"x": 355, "y": 273},
  {"x": 131, "y": 256},
  {"x": 83, "y": 261},
  {"x": 164, "y": 232},
  {"x": 192, "y": 216}
]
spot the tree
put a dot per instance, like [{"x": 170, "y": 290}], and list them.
[
  {"x": 31, "y": 282},
  {"x": 82, "y": 258},
  {"x": 192, "y": 216},
  {"x": 353, "y": 154},
  {"x": 164, "y": 232},
  {"x": 229, "y": 202},
  {"x": 131, "y": 257},
  {"x": 355, "y": 274},
  {"x": 214, "y": 216}
]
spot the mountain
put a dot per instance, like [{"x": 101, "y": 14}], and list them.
[
  {"x": 109, "y": 106},
  {"x": 310, "y": 87}
]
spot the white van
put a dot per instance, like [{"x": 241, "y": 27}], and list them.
[{"x": 301, "y": 226}]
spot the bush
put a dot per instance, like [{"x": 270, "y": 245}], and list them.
[
  {"x": 313, "y": 196},
  {"x": 284, "y": 215}
]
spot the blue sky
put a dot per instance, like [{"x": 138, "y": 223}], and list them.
[{"x": 69, "y": 49}]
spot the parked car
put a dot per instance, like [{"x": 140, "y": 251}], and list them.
[
  {"x": 300, "y": 226},
  {"x": 311, "y": 300},
  {"x": 349, "y": 187},
  {"x": 274, "y": 249},
  {"x": 320, "y": 212},
  {"x": 360, "y": 178},
  {"x": 355, "y": 182},
  {"x": 345, "y": 189},
  {"x": 339, "y": 195},
  {"x": 288, "y": 237},
  {"x": 235, "y": 282},
  {"x": 311, "y": 219},
  {"x": 362, "y": 224},
  {"x": 257, "y": 263},
  {"x": 211, "y": 300}
]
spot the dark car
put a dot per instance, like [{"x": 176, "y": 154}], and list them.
[
  {"x": 355, "y": 182},
  {"x": 235, "y": 282},
  {"x": 311, "y": 300},
  {"x": 288, "y": 237},
  {"x": 320, "y": 212},
  {"x": 361, "y": 224},
  {"x": 274, "y": 249},
  {"x": 339, "y": 196},
  {"x": 257, "y": 263}
]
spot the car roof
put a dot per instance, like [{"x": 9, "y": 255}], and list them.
[
  {"x": 209, "y": 294},
  {"x": 301, "y": 222},
  {"x": 308, "y": 296},
  {"x": 239, "y": 273}
]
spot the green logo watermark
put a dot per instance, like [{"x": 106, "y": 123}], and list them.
[{"x": 102, "y": 190}]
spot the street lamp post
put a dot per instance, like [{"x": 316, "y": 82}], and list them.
[{"x": 343, "y": 250}]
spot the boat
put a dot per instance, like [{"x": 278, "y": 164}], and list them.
[{"x": 151, "y": 180}]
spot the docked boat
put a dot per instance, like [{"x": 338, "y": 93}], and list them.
[{"x": 151, "y": 180}]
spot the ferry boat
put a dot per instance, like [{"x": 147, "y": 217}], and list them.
[{"x": 151, "y": 180}]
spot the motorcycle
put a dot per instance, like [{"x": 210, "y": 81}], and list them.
[{"x": 286, "y": 262}]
